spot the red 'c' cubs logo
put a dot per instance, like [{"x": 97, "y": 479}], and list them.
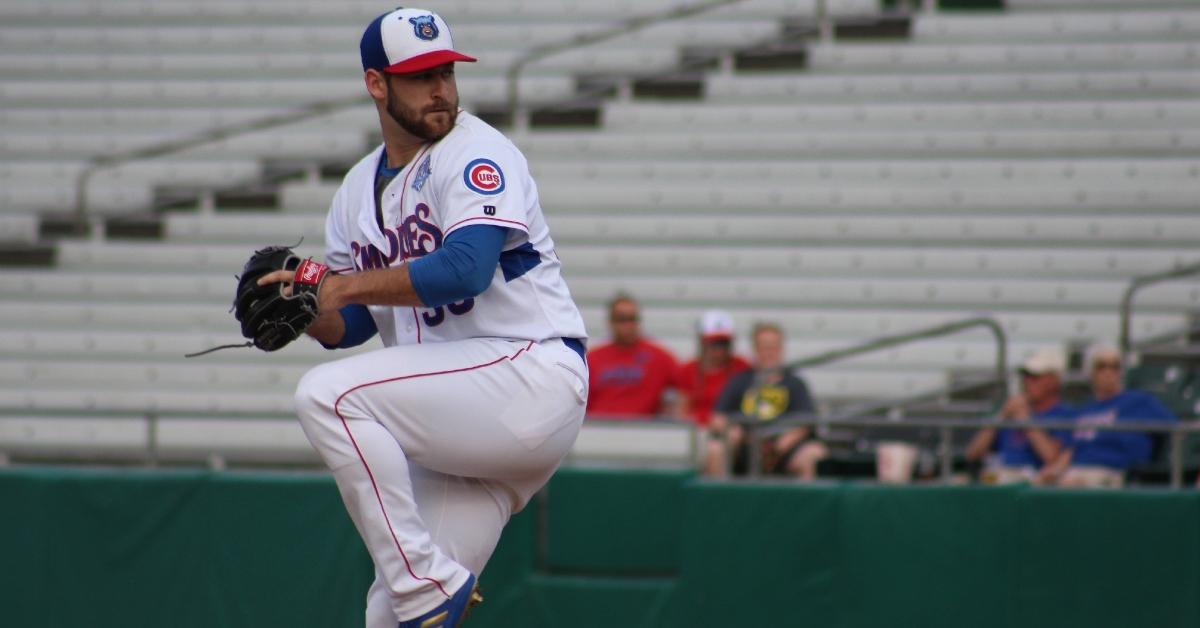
[{"x": 484, "y": 177}]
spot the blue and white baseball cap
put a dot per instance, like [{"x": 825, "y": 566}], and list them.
[{"x": 408, "y": 40}]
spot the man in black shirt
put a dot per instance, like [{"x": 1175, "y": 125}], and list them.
[{"x": 765, "y": 392}]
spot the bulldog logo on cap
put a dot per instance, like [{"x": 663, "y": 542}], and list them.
[{"x": 424, "y": 28}]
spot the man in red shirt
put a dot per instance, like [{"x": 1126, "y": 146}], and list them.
[
  {"x": 700, "y": 381},
  {"x": 629, "y": 376}
]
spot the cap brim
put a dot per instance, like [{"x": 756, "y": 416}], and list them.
[
  {"x": 712, "y": 337},
  {"x": 428, "y": 60},
  {"x": 1024, "y": 370}
]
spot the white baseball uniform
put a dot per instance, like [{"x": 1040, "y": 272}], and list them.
[{"x": 437, "y": 439}]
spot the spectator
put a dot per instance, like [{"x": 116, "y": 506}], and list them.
[
  {"x": 701, "y": 380},
  {"x": 764, "y": 392},
  {"x": 629, "y": 376},
  {"x": 1022, "y": 452},
  {"x": 1100, "y": 459}
]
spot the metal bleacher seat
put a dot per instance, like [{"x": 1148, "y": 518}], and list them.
[
  {"x": 726, "y": 196},
  {"x": 928, "y": 55},
  {"x": 870, "y": 144},
  {"x": 50, "y": 185},
  {"x": 814, "y": 321},
  {"x": 1154, "y": 22},
  {"x": 18, "y": 227},
  {"x": 175, "y": 171},
  {"x": 1125, "y": 83},
  {"x": 103, "y": 197},
  {"x": 874, "y": 172},
  {"x": 1050, "y": 114},
  {"x": 858, "y": 291},
  {"x": 880, "y": 261},
  {"x": 862, "y": 292},
  {"x": 278, "y": 91},
  {"x": 274, "y": 143},
  {"x": 162, "y": 256},
  {"x": 1082, "y": 229}
]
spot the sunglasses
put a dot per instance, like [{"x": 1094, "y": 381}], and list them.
[
  {"x": 1116, "y": 366},
  {"x": 625, "y": 319}
]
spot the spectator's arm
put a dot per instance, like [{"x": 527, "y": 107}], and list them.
[
  {"x": 980, "y": 444},
  {"x": 1044, "y": 445},
  {"x": 681, "y": 407},
  {"x": 790, "y": 438},
  {"x": 1054, "y": 470}
]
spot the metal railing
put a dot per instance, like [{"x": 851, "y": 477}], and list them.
[
  {"x": 1141, "y": 282},
  {"x": 756, "y": 429},
  {"x": 168, "y": 147},
  {"x": 923, "y": 334}
]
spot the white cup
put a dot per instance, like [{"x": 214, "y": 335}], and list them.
[{"x": 894, "y": 462}]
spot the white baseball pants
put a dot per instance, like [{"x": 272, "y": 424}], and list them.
[{"x": 434, "y": 446}]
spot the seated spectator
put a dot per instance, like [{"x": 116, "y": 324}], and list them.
[
  {"x": 701, "y": 380},
  {"x": 1096, "y": 458},
  {"x": 1020, "y": 453},
  {"x": 765, "y": 392},
  {"x": 629, "y": 376}
]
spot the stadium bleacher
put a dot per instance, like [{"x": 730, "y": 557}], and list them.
[{"x": 1024, "y": 163}]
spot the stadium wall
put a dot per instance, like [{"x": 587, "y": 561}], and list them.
[{"x": 624, "y": 548}]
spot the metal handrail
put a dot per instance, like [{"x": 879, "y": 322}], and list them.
[
  {"x": 1141, "y": 282},
  {"x": 100, "y": 162},
  {"x": 623, "y": 27},
  {"x": 932, "y": 332},
  {"x": 756, "y": 429}
]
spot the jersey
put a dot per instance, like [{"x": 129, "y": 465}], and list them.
[
  {"x": 1117, "y": 450},
  {"x": 1014, "y": 447},
  {"x": 628, "y": 381},
  {"x": 473, "y": 176},
  {"x": 702, "y": 391}
]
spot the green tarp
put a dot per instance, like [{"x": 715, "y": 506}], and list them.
[{"x": 156, "y": 549}]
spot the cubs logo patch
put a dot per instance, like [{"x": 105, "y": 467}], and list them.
[
  {"x": 422, "y": 174},
  {"x": 424, "y": 28},
  {"x": 484, "y": 177}
]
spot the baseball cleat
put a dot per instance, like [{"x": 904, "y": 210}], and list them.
[{"x": 452, "y": 612}]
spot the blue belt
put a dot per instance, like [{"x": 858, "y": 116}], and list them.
[{"x": 576, "y": 345}]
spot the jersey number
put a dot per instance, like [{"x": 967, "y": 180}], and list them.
[{"x": 437, "y": 315}]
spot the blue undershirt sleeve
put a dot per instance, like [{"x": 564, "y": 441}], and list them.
[
  {"x": 462, "y": 268},
  {"x": 360, "y": 327}
]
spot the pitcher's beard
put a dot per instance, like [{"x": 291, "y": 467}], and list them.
[{"x": 414, "y": 122}]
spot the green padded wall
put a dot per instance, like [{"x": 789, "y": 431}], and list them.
[
  {"x": 204, "y": 550},
  {"x": 140, "y": 549},
  {"x": 851, "y": 556},
  {"x": 1108, "y": 559},
  {"x": 615, "y": 522}
]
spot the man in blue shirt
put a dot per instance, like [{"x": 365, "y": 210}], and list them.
[
  {"x": 1019, "y": 453},
  {"x": 1097, "y": 458}
]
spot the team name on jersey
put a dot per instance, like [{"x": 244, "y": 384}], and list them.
[{"x": 414, "y": 237}]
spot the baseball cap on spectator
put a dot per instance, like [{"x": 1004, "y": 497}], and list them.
[
  {"x": 407, "y": 40},
  {"x": 1045, "y": 361},
  {"x": 715, "y": 325}
]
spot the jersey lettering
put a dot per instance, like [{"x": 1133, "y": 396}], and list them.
[
  {"x": 437, "y": 315},
  {"x": 419, "y": 237}
]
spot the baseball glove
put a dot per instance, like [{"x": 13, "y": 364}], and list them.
[{"x": 270, "y": 318}]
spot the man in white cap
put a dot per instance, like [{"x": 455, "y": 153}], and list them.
[
  {"x": 700, "y": 381},
  {"x": 1020, "y": 453},
  {"x": 436, "y": 241}
]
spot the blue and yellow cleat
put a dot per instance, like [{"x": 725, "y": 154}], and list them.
[{"x": 450, "y": 613}]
